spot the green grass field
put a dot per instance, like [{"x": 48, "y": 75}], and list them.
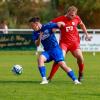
[{"x": 27, "y": 87}]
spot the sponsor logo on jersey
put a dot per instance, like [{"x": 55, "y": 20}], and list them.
[
  {"x": 45, "y": 35},
  {"x": 73, "y": 23}
]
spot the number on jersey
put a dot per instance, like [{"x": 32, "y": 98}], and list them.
[{"x": 69, "y": 28}]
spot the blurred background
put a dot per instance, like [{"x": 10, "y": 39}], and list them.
[
  {"x": 17, "y": 12},
  {"x": 14, "y": 15}
]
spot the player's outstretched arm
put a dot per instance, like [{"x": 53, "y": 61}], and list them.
[
  {"x": 60, "y": 24},
  {"x": 83, "y": 27},
  {"x": 38, "y": 41}
]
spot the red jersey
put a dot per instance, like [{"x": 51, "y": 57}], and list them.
[{"x": 69, "y": 32}]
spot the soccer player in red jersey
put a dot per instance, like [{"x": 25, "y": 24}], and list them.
[{"x": 69, "y": 39}]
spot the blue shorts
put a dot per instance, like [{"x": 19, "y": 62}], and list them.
[{"x": 54, "y": 54}]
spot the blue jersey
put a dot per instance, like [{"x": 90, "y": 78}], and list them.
[{"x": 48, "y": 39}]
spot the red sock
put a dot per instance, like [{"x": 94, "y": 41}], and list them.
[
  {"x": 53, "y": 70},
  {"x": 81, "y": 67}
]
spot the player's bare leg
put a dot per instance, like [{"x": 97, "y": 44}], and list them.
[
  {"x": 69, "y": 71},
  {"x": 42, "y": 69},
  {"x": 80, "y": 61}
]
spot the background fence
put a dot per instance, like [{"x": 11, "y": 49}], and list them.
[
  {"x": 22, "y": 39},
  {"x": 17, "y": 39}
]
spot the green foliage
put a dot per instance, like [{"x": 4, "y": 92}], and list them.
[{"x": 18, "y": 12}]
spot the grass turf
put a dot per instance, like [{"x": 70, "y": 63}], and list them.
[{"x": 27, "y": 87}]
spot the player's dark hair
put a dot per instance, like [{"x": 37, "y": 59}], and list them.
[{"x": 34, "y": 19}]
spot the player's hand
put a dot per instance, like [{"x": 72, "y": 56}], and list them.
[
  {"x": 88, "y": 37},
  {"x": 40, "y": 36},
  {"x": 38, "y": 41},
  {"x": 60, "y": 24}
]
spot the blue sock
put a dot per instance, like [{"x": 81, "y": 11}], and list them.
[
  {"x": 42, "y": 71},
  {"x": 72, "y": 75}
]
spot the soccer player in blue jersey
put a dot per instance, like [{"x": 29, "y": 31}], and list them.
[{"x": 52, "y": 51}]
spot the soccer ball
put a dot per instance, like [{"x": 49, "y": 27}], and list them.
[{"x": 17, "y": 69}]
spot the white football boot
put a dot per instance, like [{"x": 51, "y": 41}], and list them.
[
  {"x": 44, "y": 81},
  {"x": 77, "y": 82}
]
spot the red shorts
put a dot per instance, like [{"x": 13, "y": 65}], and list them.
[{"x": 70, "y": 47}]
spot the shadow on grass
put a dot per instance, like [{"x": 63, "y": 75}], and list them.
[
  {"x": 88, "y": 94},
  {"x": 19, "y": 81}
]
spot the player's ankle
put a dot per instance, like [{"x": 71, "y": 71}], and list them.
[
  {"x": 80, "y": 78},
  {"x": 49, "y": 78}
]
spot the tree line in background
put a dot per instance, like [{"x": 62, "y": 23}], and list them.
[{"x": 18, "y": 12}]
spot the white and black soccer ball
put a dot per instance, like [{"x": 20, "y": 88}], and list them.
[{"x": 17, "y": 69}]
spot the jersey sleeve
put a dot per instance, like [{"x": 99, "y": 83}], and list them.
[
  {"x": 79, "y": 20},
  {"x": 34, "y": 36},
  {"x": 52, "y": 25}
]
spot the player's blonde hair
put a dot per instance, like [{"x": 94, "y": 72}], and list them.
[{"x": 72, "y": 8}]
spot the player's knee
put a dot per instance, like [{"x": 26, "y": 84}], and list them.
[
  {"x": 41, "y": 60},
  {"x": 62, "y": 63},
  {"x": 80, "y": 59}
]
